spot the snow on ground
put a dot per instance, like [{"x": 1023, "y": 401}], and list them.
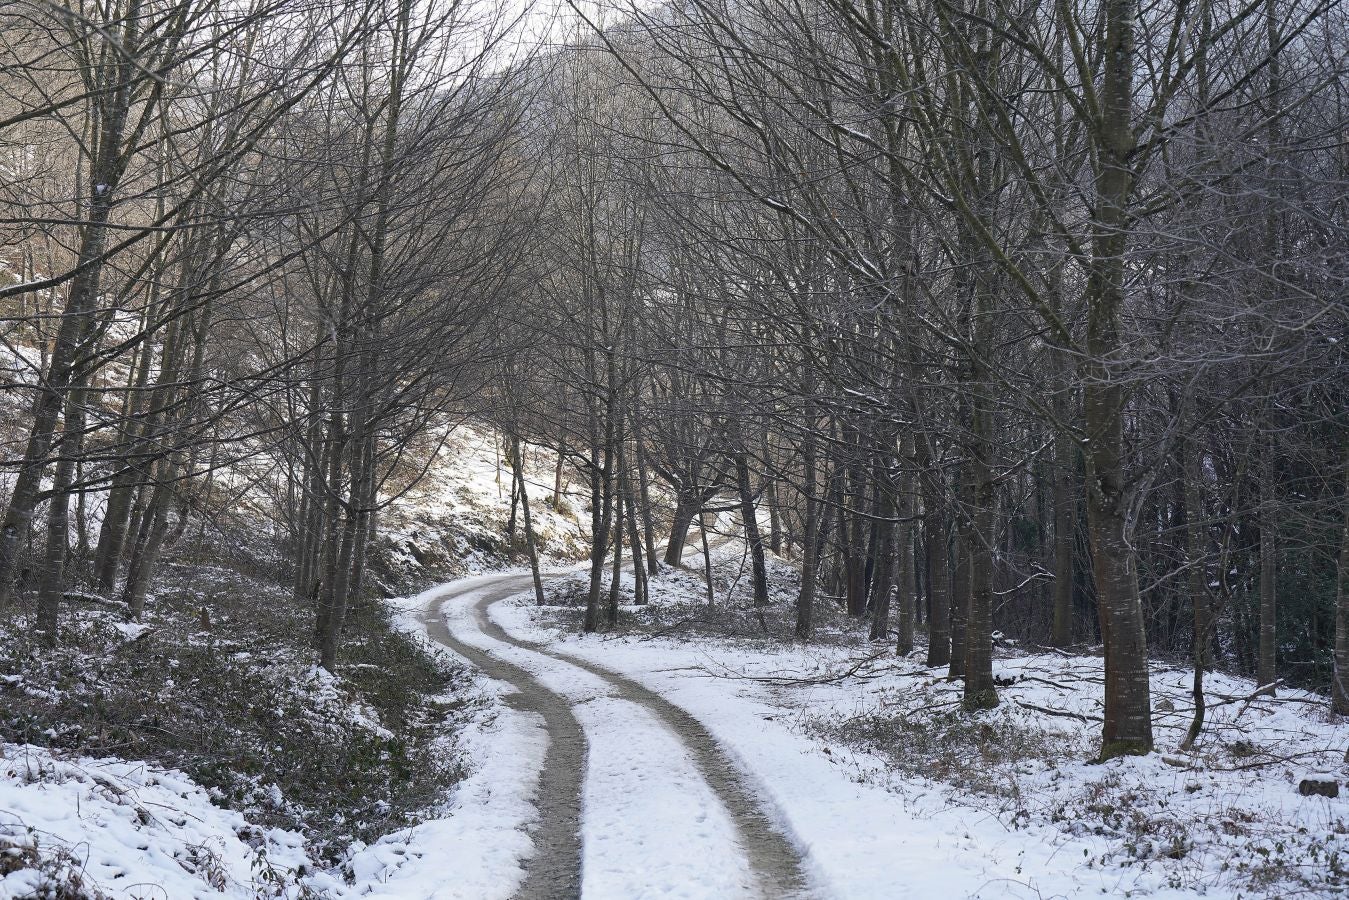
[
  {"x": 886, "y": 788},
  {"x": 474, "y": 848},
  {"x": 890, "y": 791},
  {"x": 131, "y": 831},
  {"x": 136, "y": 832}
]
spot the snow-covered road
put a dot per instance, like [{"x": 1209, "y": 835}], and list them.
[{"x": 634, "y": 798}]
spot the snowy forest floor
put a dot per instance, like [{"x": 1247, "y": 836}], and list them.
[
  {"x": 201, "y": 755},
  {"x": 867, "y": 765}
]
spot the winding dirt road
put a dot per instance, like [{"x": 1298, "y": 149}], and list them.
[{"x": 555, "y": 872}]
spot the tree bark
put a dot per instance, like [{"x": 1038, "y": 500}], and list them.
[
  {"x": 1127, "y": 728},
  {"x": 1195, "y": 552},
  {"x": 960, "y": 604},
  {"x": 51, "y": 583},
  {"x": 1340, "y": 689},
  {"x": 644, "y": 497},
  {"x": 904, "y": 576},
  {"x": 1065, "y": 515},
  {"x": 531, "y": 543},
  {"x": 810, "y": 549},
  {"x": 938, "y": 562},
  {"x": 1267, "y": 672},
  {"x": 750, "y": 523},
  {"x": 557, "y": 477},
  {"x": 684, "y": 512}
]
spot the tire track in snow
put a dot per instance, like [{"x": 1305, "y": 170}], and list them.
[
  {"x": 554, "y": 872},
  {"x": 773, "y": 861}
]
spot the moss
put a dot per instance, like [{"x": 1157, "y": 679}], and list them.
[
  {"x": 977, "y": 700},
  {"x": 1113, "y": 749}
]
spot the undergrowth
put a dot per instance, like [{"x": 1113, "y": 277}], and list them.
[
  {"x": 926, "y": 734},
  {"x": 48, "y": 872},
  {"x": 221, "y": 685}
]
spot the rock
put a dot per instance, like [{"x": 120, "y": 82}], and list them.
[
  {"x": 1319, "y": 786},
  {"x": 1165, "y": 705}
]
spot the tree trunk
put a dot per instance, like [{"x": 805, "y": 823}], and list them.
[
  {"x": 1340, "y": 691},
  {"x": 616, "y": 575},
  {"x": 1128, "y": 704},
  {"x": 639, "y": 573},
  {"x": 883, "y": 592},
  {"x": 365, "y": 516},
  {"x": 750, "y": 523},
  {"x": 154, "y": 525},
  {"x": 1065, "y": 509},
  {"x": 1267, "y": 662},
  {"x": 329, "y": 553},
  {"x": 117, "y": 514},
  {"x": 60, "y": 376},
  {"x": 938, "y": 562},
  {"x": 644, "y": 497},
  {"x": 685, "y": 510},
  {"x": 707, "y": 557},
  {"x": 883, "y": 588},
  {"x": 306, "y": 569},
  {"x": 530, "y": 543},
  {"x": 774, "y": 516},
  {"x": 51, "y": 583},
  {"x": 1195, "y": 552},
  {"x": 960, "y": 604},
  {"x": 336, "y": 596},
  {"x": 980, "y": 691},
  {"x": 557, "y": 477},
  {"x": 904, "y": 576},
  {"x": 599, "y": 528},
  {"x": 810, "y": 548},
  {"x": 602, "y": 502}
]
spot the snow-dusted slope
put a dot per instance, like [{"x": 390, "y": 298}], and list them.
[
  {"x": 455, "y": 520},
  {"x": 130, "y": 830},
  {"x": 125, "y": 828}
]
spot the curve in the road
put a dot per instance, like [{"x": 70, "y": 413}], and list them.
[
  {"x": 773, "y": 860},
  {"x": 554, "y": 872}
]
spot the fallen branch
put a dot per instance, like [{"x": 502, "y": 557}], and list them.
[
  {"x": 664, "y": 631},
  {"x": 1057, "y": 712},
  {"x": 83, "y": 597},
  {"x": 1274, "y": 761},
  {"x": 784, "y": 681}
]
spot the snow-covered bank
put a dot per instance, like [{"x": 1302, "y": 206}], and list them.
[
  {"x": 457, "y": 520},
  {"x": 394, "y": 777},
  {"x": 474, "y": 846},
  {"x": 128, "y": 830}
]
